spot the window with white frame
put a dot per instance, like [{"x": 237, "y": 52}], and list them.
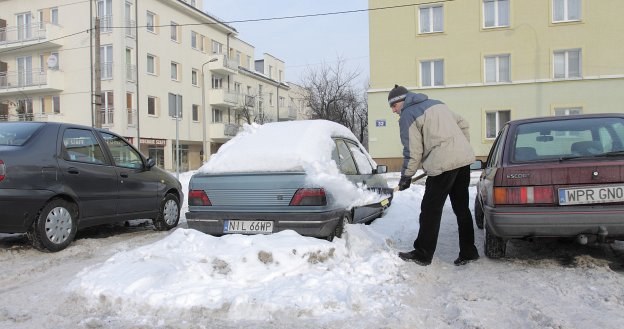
[
  {"x": 195, "y": 113},
  {"x": 152, "y": 102},
  {"x": 54, "y": 16},
  {"x": 217, "y": 82},
  {"x": 56, "y": 104},
  {"x": 217, "y": 116},
  {"x": 194, "y": 75},
  {"x": 567, "y": 64},
  {"x": 566, "y": 10},
  {"x": 150, "y": 22},
  {"x": 494, "y": 122},
  {"x": 174, "y": 31},
  {"x": 194, "y": 39},
  {"x": 151, "y": 64},
  {"x": 497, "y": 68},
  {"x": 432, "y": 73},
  {"x": 431, "y": 19},
  {"x": 217, "y": 47},
  {"x": 174, "y": 71},
  {"x": 495, "y": 13},
  {"x": 175, "y": 105},
  {"x": 561, "y": 111}
]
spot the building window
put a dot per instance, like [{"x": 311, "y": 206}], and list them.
[
  {"x": 497, "y": 69},
  {"x": 54, "y": 16},
  {"x": 175, "y": 105},
  {"x": 174, "y": 71},
  {"x": 151, "y": 105},
  {"x": 195, "y": 113},
  {"x": 194, "y": 39},
  {"x": 217, "y": 116},
  {"x": 217, "y": 48},
  {"x": 150, "y": 22},
  {"x": 107, "y": 109},
  {"x": 174, "y": 31},
  {"x": 566, "y": 10},
  {"x": 151, "y": 64},
  {"x": 432, "y": 73},
  {"x": 561, "y": 111},
  {"x": 567, "y": 64},
  {"x": 494, "y": 122},
  {"x": 106, "y": 61},
  {"x": 217, "y": 82},
  {"x": 194, "y": 77},
  {"x": 495, "y": 13},
  {"x": 56, "y": 104},
  {"x": 431, "y": 19}
]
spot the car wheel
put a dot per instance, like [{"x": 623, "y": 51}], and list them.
[
  {"x": 494, "y": 246},
  {"x": 55, "y": 227},
  {"x": 169, "y": 213},
  {"x": 347, "y": 218},
  {"x": 478, "y": 213}
]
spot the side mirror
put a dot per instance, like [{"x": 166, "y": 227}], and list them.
[
  {"x": 477, "y": 165},
  {"x": 381, "y": 169},
  {"x": 150, "y": 163}
]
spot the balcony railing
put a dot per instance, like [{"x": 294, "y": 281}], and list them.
[
  {"x": 106, "y": 71},
  {"x": 20, "y": 79},
  {"x": 131, "y": 72},
  {"x": 130, "y": 28},
  {"x": 223, "y": 65},
  {"x": 106, "y": 23},
  {"x": 107, "y": 116},
  {"x": 131, "y": 117},
  {"x": 32, "y": 35}
]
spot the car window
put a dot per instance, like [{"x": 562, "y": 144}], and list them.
[
  {"x": 343, "y": 158},
  {"x": 363, "y": 165},
  {"x": 548, "y": 140},
  {"x": 81, "y": 145},
  {"x": 494, "y": 159},
  {"x": 123, "y": 154},
  {"x": 17, "y": 133}
]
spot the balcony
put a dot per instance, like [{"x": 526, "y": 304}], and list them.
[
  {"x": 22, "y": 82},
  {"x": 223, "y": 65},
  {"x": 132, "y": 117},
  {"x": 43, "y": 117},
  {"x": 287, "y": 113},
  {"x": 36, "y": 36},
  {"x": 222, "y": 132},
  {"x": 223, "y": 98}
]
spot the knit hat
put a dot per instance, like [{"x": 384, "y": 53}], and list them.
[{"x": 397, "y": 94}]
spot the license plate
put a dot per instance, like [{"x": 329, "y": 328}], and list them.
[
  {"x": 247, "y": 226},
  {"x": 594, "y": 194}
]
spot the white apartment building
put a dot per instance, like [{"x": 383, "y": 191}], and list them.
[{"x": 172, "y": 79}]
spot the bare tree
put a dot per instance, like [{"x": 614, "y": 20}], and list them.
[{"x": 330, "y": 94}]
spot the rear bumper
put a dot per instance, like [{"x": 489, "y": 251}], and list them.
[
  {"x": 567, "y": 221},
  {"x": 320, "y": 224},
  {"x": 18, "y": 208}
]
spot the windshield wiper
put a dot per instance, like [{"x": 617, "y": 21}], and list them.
[
  {"x": 601, "y": 155},
  {"x": 614, "y": 154}
]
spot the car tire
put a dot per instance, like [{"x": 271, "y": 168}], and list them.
[
  {"x": 55, "y": 226},
  {"x": 478, "y": 213},
  {"x": 494, "y": 246},
  {"x": 168, "y": 213},
  {"x": 347, "y": 218}
]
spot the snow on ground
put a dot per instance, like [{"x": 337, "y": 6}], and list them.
[{"x": 134, "y": 277}]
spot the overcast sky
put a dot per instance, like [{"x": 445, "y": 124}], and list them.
[{"x": 302, "y": 43}]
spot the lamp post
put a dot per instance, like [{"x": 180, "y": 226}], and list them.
[{"x": 203, "y": 89}]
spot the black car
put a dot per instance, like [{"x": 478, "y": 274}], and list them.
[
  {"x": 559, "y": 176},
  {"x": 56, "y": 178}
]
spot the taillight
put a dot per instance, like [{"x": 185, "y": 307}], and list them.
[
  {"x": 309, "y": 197},
  {"x": 2, "y": 170},
  {"x": 523, "y": 195},
  {"x": 198, "y": 198}
]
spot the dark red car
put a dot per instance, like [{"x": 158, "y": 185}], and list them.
[{"x": 560, "y": 176}]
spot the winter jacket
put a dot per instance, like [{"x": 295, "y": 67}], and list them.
[{"x": 434, "y": 138}]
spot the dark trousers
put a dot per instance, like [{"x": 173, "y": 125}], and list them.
[{"x": 452, "y": 183}]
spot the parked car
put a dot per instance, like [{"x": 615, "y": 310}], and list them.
[
  {"x": 312, "y": 177},
  {"x": 559, "y": 176},
  {"x": 56, "y": 178}
]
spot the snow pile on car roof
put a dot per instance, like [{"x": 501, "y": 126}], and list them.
[{"x": 277, "y": 146}]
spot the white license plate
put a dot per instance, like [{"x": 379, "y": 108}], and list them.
[
  {"x": 247, "y": 226},
  {"x": 594, "y": 194}
]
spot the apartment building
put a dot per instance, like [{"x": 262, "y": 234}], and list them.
[
  {"x": 493, "y": 61},
  {"x": 167, "y": 76}
]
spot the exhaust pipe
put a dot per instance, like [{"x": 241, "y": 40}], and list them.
[
  {"x": 602, "y": 234},
  {"x": 581, "y": 239}
]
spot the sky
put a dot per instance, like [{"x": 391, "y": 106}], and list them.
[{"x": 302, "y": 43}]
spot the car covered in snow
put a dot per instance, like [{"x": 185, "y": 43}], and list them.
[
  {"x": 56, "y": 178},
  {"x": 558, "y": 176},
  {"x": 310, "y": 176}
]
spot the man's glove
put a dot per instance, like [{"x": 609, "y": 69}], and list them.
[{"x": 405, "y": 182}]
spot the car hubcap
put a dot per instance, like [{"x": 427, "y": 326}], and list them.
[
  {"x": 58, "y": 225},
  {"x": 170, "y": 212}
]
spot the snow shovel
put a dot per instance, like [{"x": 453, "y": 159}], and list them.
[{"x": 414, "y": 180}]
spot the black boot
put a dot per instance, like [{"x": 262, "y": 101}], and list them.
[{"x": 414, "y": 256}]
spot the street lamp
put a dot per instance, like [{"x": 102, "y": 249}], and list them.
[{"x": 204, "y": 107}]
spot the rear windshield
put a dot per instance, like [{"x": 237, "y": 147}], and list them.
[
  {"x": 17, "y": 133},
  {"x": 567, "y": 138}
]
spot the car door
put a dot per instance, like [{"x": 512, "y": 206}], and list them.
[
  {"x": 138, "y": 186},
  {"x": 87, "y": 173}
]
